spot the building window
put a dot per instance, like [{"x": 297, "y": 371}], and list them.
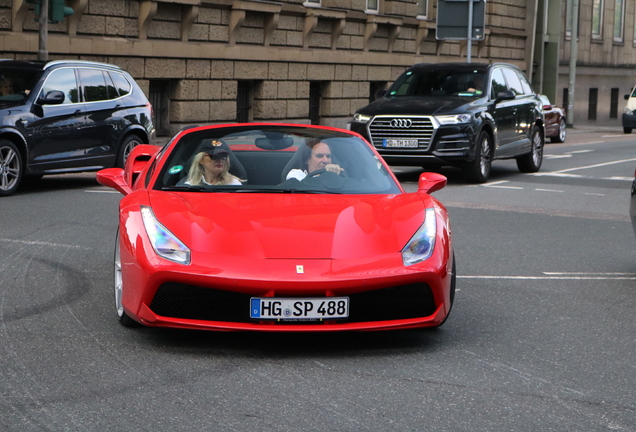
[
  {"x": 614, "y": 103},
  {"x": 244, "y": 101},
  {"x": 375, "y": 90},
  {"x": 158, "y": 96},
  {"x": 422, "y": 9},
  {"x": 566, "y": 100},
  {"x": 315, "y": 97},
  {"x": 619, "y": 20},
  {"x": 597, "y": 19},
  {"x": 592, "y": 104},
  {"x": 312, "y": 3},
  {"x": 373, "y": 6}
]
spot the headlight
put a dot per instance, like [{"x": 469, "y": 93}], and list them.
[
  {"x": 361, "y": 118},
  {"x": 421, "y": 245},
  {"x": 627, "y": 111},
  {"x": 454, "y": 119},
  {"x": 165, "y": 244}
]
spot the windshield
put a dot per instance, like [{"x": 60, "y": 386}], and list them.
[
  {"x": 443, "y": 82},
  {"x": 16, "y": 84},
  {"x": 274, "y": 159}
]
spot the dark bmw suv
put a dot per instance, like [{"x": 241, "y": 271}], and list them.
[
  {"x": 460, "y": 114},
  {"x": 67, "y": 116}
]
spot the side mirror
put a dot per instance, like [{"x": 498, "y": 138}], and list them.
[
  {"x": 626, "y": 97},
  {"x": 54, "y": 97},
  {"x": 138, "y": 159},
  {"x": 505, "y": 95},
  {"x": 430, "y": 182},
  {"x": 114, "y": 178}
]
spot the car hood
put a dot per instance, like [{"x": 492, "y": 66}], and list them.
[
  {"x": 418, "y": 105},
  {"x": 310, "y": 226}
]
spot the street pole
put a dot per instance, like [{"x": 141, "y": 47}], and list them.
[
  {"x": 574, "y": 50},
  {"x": 469, "y": 41},
  {"x": 43, "y": 53}
]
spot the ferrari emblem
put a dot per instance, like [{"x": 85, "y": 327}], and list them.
[
  {"x": 216, "y": 143},
  {"x": 300, "y": 269}
]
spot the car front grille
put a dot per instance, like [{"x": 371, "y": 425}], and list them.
[
  {"x": 184, "y": 301},
  {"x": 400, "y": 128}
]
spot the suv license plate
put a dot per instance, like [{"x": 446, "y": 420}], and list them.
[
  {"x": 399, "y": 143},
  {"x": 299, "y": 309}
]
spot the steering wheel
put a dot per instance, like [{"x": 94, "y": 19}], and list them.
[{"x": 316, "y": 173}]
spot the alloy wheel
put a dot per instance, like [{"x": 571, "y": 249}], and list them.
[{"x": 9, "y": 168}]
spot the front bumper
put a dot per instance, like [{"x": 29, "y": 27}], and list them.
[
  {"x": 629, "y": 120},
  {"x": 447, "y": 145}
]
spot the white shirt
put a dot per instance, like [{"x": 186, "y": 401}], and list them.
[
  {"x": 298, "y": 174},
  {"x": 234, "y": 182}
]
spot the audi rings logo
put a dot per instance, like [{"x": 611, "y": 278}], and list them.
[{"x": 401, "y": 123}]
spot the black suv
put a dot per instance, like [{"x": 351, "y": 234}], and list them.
[
  {"x": 461, "y": 114},
  {"x": 67, "y": 116}
]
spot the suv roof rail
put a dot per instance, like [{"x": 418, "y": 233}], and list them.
[{"x": 81, "y": 62}]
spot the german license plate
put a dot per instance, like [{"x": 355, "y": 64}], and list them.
[
  {"x": 299, "y": 308},
  {"x": 399, "y": 143}
]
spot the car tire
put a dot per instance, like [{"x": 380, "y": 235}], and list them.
[
  {"x": 562, "y": 133},
  {"x": 127, "y": 145},
  {"x": 478, "y": 171},
  {"x": 124, "y": 319},
  {"x": 11, "y": 168},
  {"x": 532, "y": 161},
  {"x": 627, "y": 130}
]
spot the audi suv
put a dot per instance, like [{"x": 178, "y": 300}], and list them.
[
  {"x": 458, "y": 114},
  {"x": 67, "y": 116}
]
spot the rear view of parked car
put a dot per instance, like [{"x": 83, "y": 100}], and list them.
[
  {"x": 555, "y": 121},
  {"x": 460, "y": 114},
  {"x": 67, "y": 116}
]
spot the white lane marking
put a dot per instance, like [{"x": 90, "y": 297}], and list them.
[
  {"x": 555, "y": 174},
  {"x": 588, "y": 273},
  {"x": 595, "y": 165},
  {"x": 499, "y": 185},
  {"x": 562, "y": 156},
  {"x": 44, "y": 243},
  {"x": 100, "y": 191},
  {"x": 593, "y": 194},
  {"x": 630, "y": 277},
  {"x": 618, "y": 178},
  {"x": 549, "y": 190},
  {"x": 580, "y": 151}
]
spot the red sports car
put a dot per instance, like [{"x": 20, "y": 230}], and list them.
[{"x": 277, "y": 227}]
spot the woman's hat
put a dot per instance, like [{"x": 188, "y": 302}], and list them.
[{"x": 214, "y": 148}]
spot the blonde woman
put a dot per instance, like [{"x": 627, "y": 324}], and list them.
[{"x": 211, "y": 167}]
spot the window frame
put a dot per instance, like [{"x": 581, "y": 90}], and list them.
[{"x": 598, "y": 7}]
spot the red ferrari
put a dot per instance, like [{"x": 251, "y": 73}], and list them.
[{"x": 277, "y": 227}]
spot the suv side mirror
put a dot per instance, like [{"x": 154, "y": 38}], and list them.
[
  {"x": 505, "y": 95},
  {"x": 54, "y": 97},
  {"x": 626, "y": 97}
]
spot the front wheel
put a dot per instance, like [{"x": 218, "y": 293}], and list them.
[
  {"x": 124, "y": 319},
  {"x": 478, "y": 171},
  {"x": 562, "y": 133},
  {"x": 11, "y": 168},
  {"x": 532, "y": 161}
]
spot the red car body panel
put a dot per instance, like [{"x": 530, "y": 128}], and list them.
[{"x": 253, "y": 244}]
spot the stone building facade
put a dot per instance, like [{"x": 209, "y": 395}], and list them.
[{"x": 314, "y": 61}]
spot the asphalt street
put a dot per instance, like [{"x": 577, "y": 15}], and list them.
[{"x": 541, "y": 336}]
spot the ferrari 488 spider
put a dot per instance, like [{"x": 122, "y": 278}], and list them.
[{"x": 277, "y": 227}]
